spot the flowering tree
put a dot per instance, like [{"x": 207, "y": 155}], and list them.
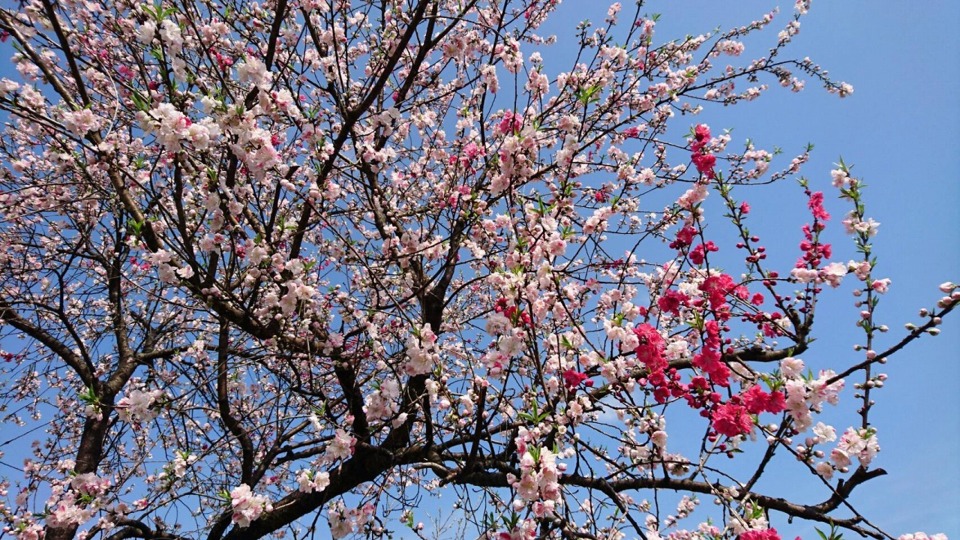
[{"x": 276, "y": 266}]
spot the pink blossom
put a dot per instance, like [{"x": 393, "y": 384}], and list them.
[
  {"x": 510, "y": 123},
  {"x": 573, "y": 378},
  {"x": 247, "y": 507},
  {"x": 341, "y": 447},
  {"x": 252, "y": 70},
  {"x": 881, "y": 285},
  {"x": 309, "y": 481},
  {"x": 833, "y": 273},
  {"x": 67, "y": 512},
  {"x": 693, "y": 197},
  {"x": 137, "y": 406},
  {"x": 731, "y": 420},
  {"x": 81, "y": 122},
  {"x": 758, "y": 401},
  {"x": 90, "y": 484},
  {"x": 922, "y": 536},
  {"x": 768, "y": 534},
  {"x": 816, "y": 206},
  {"x": 856, "y": 443}
]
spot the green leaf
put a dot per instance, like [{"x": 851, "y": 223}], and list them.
[{"x": 589, "y": 95}]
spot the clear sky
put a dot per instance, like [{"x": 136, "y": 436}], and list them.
[{"x": 900, "y": 129}]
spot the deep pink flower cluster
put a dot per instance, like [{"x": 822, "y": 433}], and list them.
[
  {"x": 572, "y": 379},
  {"x": 717, "y": 288},
  {"x": 731, "y": 420},
  {"x": 769, "y": 534},
  {"x": 709, "y": 360},
  {"x": 650, "y": 348},
  {"x": 699, "y": 253},
  {"x": 650, "y": 352},
  {"x": 702, "y": 159},
  {"x": 816, "y": 206},
  {"x": 511, "y": 123},
  {"x": 758, "y": 401},
  {"x": 813, "y": 251},
  {"x": 671, "y": 301},
  {"x": 684, "y": 237},
  {"x": 471, "y": 151},
  {"x": 518, "y": 317}
]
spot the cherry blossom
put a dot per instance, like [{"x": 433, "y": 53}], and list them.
[{"x": 275, "y": 267}]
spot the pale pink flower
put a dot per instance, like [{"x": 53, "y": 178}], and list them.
[
  {"x": 81, "y": 122},
  {"x": 252, "y": 70},
  {"x": 137, "y": 406},
  {"x": 310, "y": 481},
  {"x": 859, "y": 443},
  {"x": 247, "y": 507},
  {"x": 341, "y": 447},
  {"x": 881, "y": 285},
  {"x": 825, "y": 470},
  {"x": 922, "y": 536},
  {"x": 833, "y": 273},
  {"x": 791, "y": 367}
]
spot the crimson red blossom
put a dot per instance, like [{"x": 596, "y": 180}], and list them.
[
  {"x": 710, "y": 360},
  {"x": 572, "y": 379},
  {"x": 757, "y": 400},
  {"x": 672, "y": 301},
  {"x": 684, "y": 237},
  {"x": 701, "y": 157},
  {"x": 731, "y": 420},
  {"x": 760, "y": 534}
]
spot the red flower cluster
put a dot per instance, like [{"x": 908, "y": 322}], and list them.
[
  {"x": 572, "y": 379},
  {"x": 671, "y": 301},
  {"x": 816, "y": 206},
  {"x": 731, "y": 420},
  {"x": 518, "y": 317},
  {"x": 813, "y": 251},
  {"x": 699, "y": 253},
  {"x": 650, "y": 351},
  {"x": 758, "y": 401},
  {"x": 769, "y": 534},
  {"x": 684, "y": 237},
  {"x": 703, "y": 160},
  {"x": 709, "y": 360},
  {"x": 716, "y": 288}
]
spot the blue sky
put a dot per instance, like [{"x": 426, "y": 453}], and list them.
[{"x": 900, "y": 129}]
